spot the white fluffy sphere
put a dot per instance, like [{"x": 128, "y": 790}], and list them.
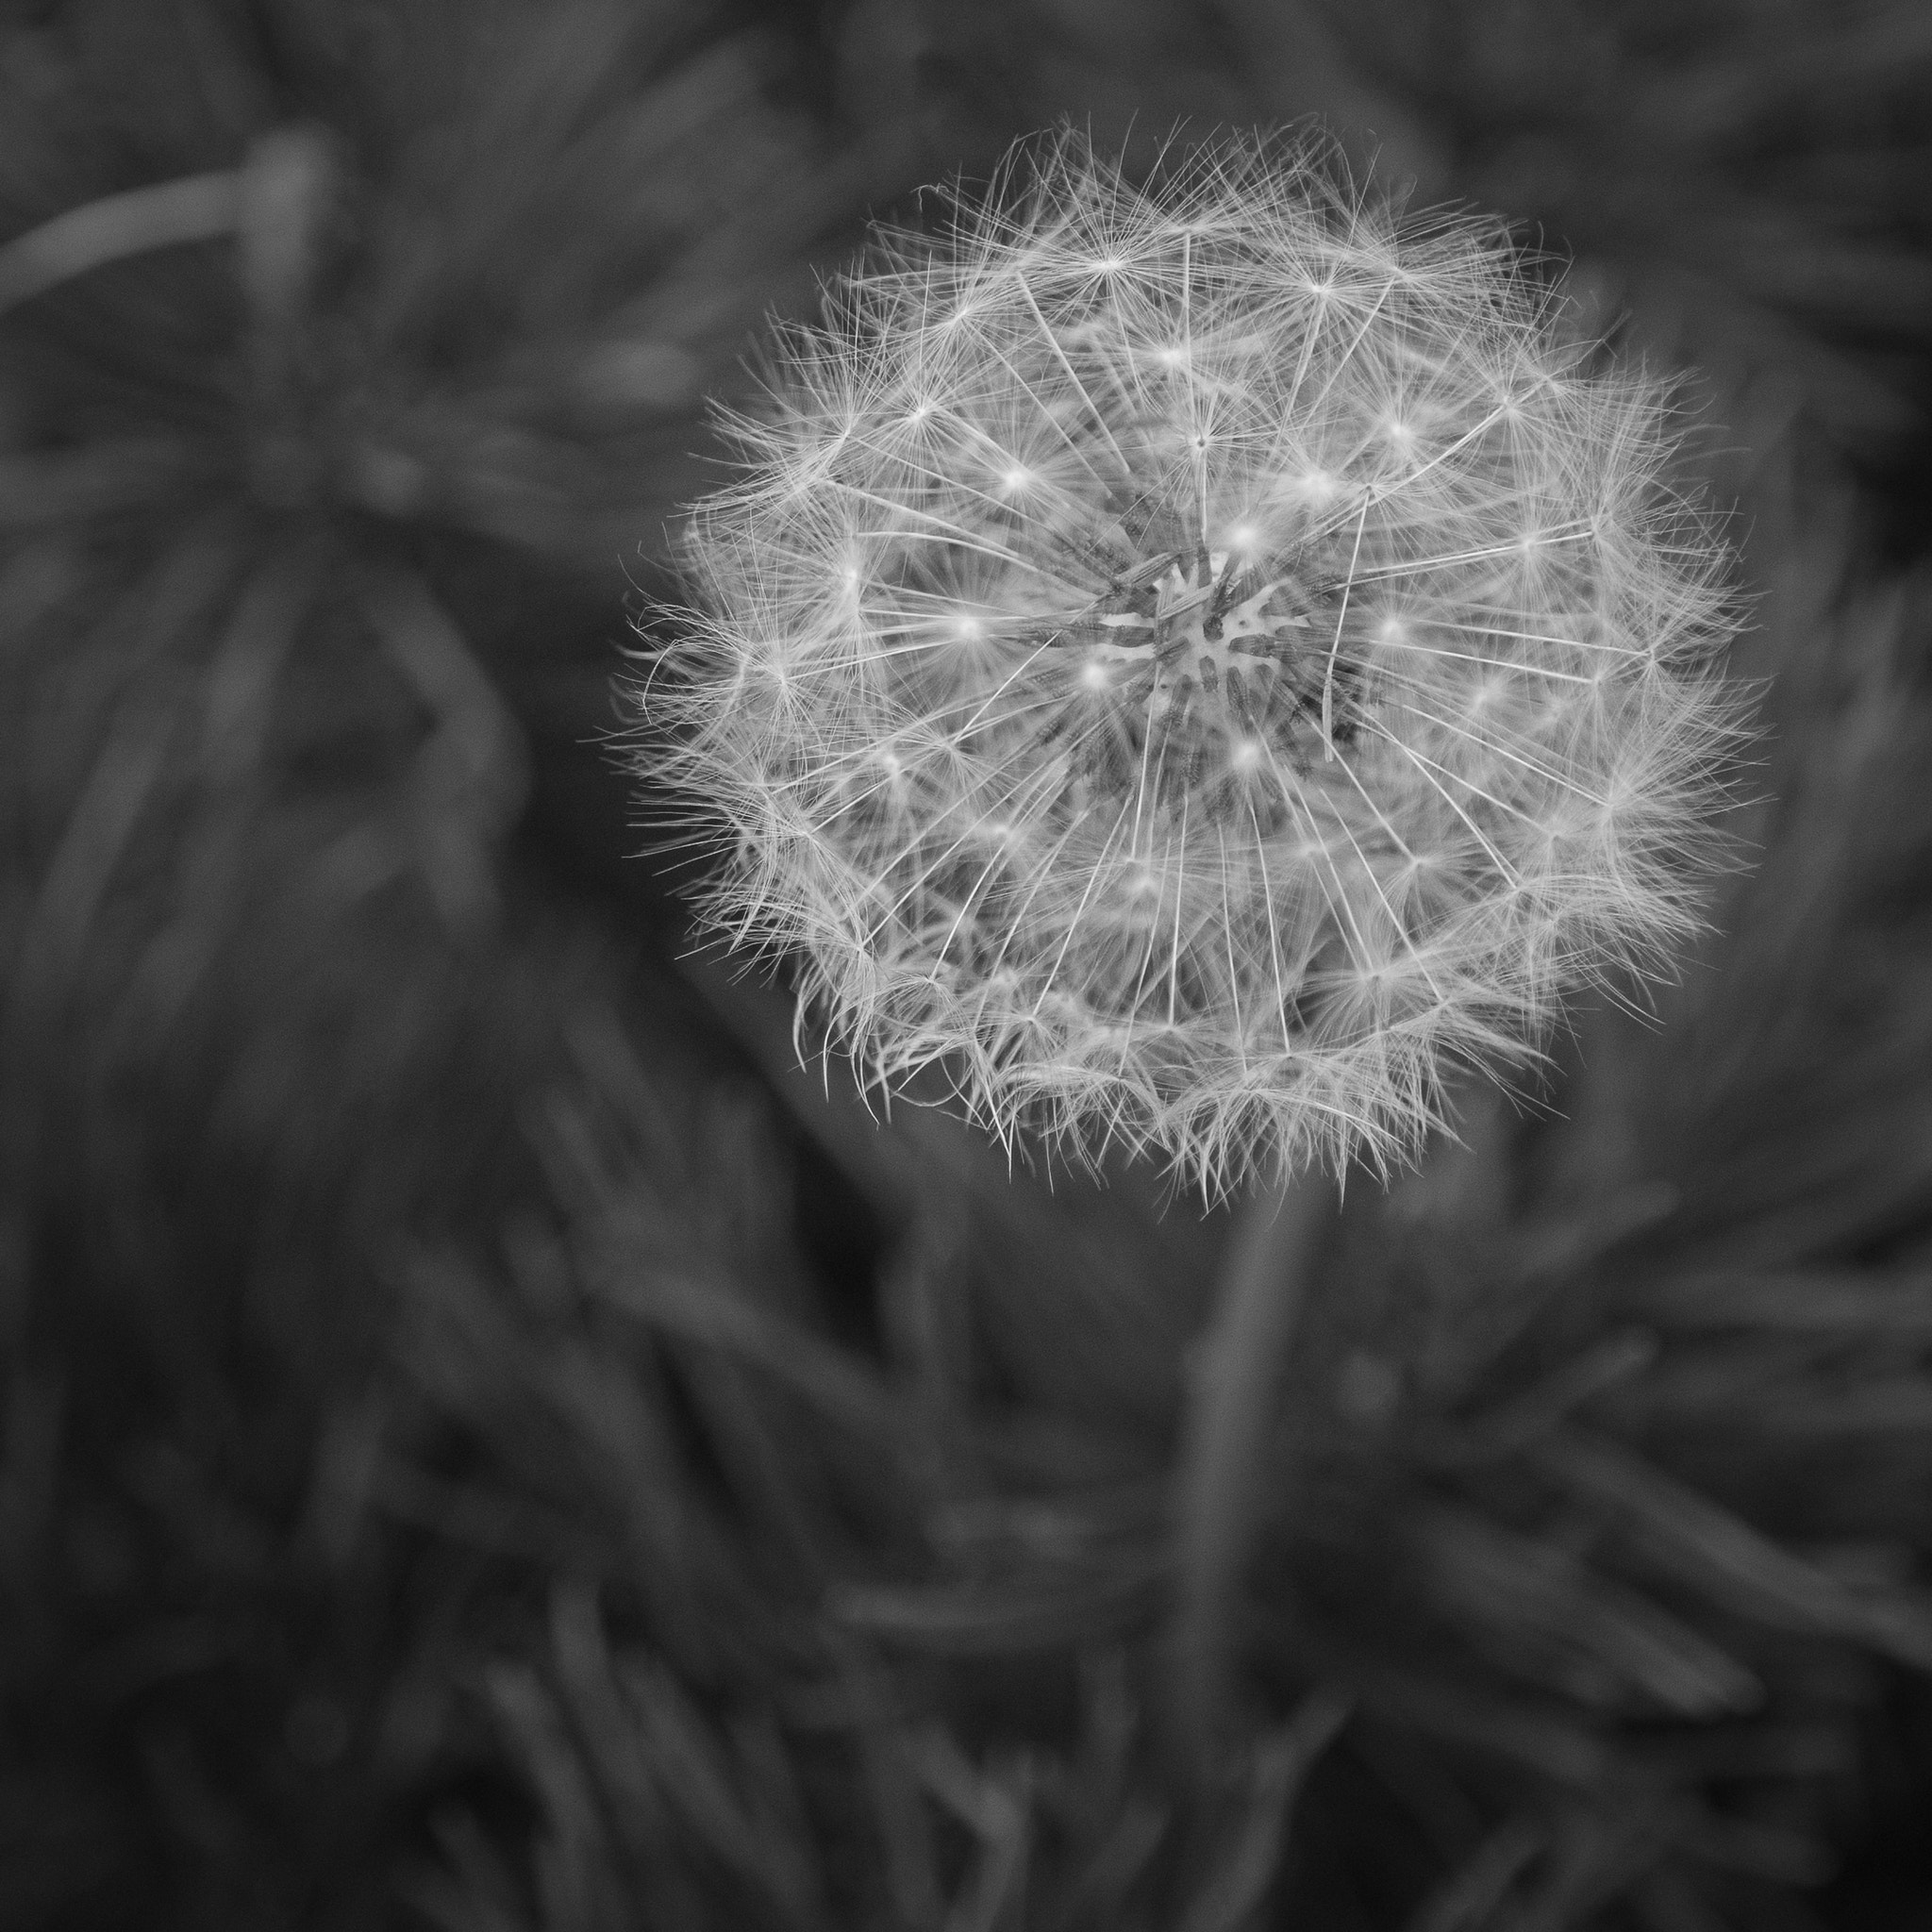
[{"x": 1197, "y": 660}]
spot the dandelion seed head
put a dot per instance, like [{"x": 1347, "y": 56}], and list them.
[{"x": 1265, "y": 664}]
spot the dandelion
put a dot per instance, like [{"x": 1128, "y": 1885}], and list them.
[{"x": 1198, "y": 661}]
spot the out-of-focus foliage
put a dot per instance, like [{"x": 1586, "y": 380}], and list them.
[{"x": 487, "y": 1442}]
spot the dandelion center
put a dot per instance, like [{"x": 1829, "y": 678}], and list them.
[{"x": 1209, "y": 661}]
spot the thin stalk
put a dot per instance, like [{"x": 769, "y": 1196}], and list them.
[
  {"x": 1221, "y": 1482},
  {"x": 197, "y": 208}
]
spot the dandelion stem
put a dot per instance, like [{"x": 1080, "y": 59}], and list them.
[{"x": 1222, "y": 1475}]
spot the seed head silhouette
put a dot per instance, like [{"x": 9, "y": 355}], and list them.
[{"x": 1198, "y": 660}]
